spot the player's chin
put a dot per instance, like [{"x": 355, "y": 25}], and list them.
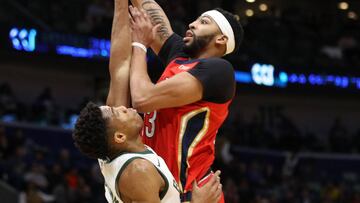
[{"x": 139, "y": 121}]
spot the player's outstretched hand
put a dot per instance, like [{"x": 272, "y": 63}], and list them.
[
  {"x": 208, "y": 193},
  {"x": 143, "y": 31}
]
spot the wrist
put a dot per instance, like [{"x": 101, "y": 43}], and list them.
[{"x": 139, "y": 45}]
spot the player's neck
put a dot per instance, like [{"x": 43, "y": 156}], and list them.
[
  {"x": 136, "y": 145},
  {"x": 208, "y": 53},
  {"x": 131, "y": 146}
]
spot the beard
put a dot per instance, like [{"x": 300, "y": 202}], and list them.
[{"x": 198, "y": 44}]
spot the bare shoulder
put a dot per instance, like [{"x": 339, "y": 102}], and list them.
[
  {"x": 138, "y": 169},
  {"x": 139, "y": 180}
]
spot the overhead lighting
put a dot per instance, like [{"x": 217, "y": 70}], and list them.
[
  {"x": 343, "y": 5},
  {"x": 352, "y": 15},
  {"x": 250, "y": 1},
  {"x": 263, "y": 7},
  {"x": 249, "y": 12}
]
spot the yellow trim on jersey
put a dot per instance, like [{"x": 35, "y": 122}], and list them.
[{"x": 183, "y": 124}]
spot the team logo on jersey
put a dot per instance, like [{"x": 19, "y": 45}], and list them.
[{"x": 182, "y": 67}]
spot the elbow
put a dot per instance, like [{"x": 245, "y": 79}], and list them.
[
  {"x": 142, "y": 99},
  {"x": 137, "y": 105},
  {"x": 140, "y": 104}
]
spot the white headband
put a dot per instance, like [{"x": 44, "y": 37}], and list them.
[{"x": 225, "y": 28}]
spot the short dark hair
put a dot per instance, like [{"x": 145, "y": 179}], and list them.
[
  {"x": 235, "y": 25},
  {"x": 90, "y": 133}
]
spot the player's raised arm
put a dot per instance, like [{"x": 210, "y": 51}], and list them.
[
  {"x": 157, "y": 16},
  {"x": 145, "y": 95},
  {"x": 120, "y": 56}
]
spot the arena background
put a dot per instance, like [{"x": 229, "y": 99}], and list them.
[{"x": 293, "y": 133}]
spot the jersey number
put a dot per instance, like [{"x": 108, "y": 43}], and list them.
[{"x": 150, "y": 124}]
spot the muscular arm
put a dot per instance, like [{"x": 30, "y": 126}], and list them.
[
  {"x": 157, "y": 16},
  {"x": 120, "y": 56},
  {"x": 140, "y": 182},
  {"x": 179, "y": 90}
]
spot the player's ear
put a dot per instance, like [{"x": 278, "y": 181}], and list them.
[
  {"x": 119, "y": 137},
  {"x": 221, "y": 40}
]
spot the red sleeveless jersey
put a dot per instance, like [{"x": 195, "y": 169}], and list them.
[{"x": 185, "y": 136}]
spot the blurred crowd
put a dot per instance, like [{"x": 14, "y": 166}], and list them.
[
  {"x": 302, "y": 41},
  {"x": 43, "y": 174},
  {"x": 259, "y": 182},
  {"x": 280, "y": 132},
  {"x": 44, "y": 111}
]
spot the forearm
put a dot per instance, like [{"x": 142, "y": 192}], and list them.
[
  {"x": 119, "y": 92},
  {"x": 120, "y": 54},
  {"x": 120, "y": 50},
  {"x": 157, "y": 16},
  {"x": 140, "y": 82}
]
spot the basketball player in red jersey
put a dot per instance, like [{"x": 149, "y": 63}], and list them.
[{"x": 190, "y": 101}]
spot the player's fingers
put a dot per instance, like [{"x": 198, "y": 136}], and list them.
[
  {"x": 143, "y": 13},
  {"x": 215, "y": 179},
  {"x": 212, "y": 181},
  {"x": 132, "y": 26},
  {"x": 131, "y": 20},
  {"x": 146, "y": 16},
  {"x": 195, "y": 185},
  {"x": 132, "y": 23},
  {"x": 140, "y": 14},
  {"x": 219, "y": 188},
  {"x": 135, "y": 13},
  {"x": 217, "y": 173},
  {"x": 217, "y": 176},
  {"x": 131, "y": 10},
  {"x": 218, "y": 193}
]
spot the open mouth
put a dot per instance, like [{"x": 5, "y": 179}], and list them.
[{"x": 188, "y": 35}]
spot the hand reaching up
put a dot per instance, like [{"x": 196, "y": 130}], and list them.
[{"x": 143, "y": 31}]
